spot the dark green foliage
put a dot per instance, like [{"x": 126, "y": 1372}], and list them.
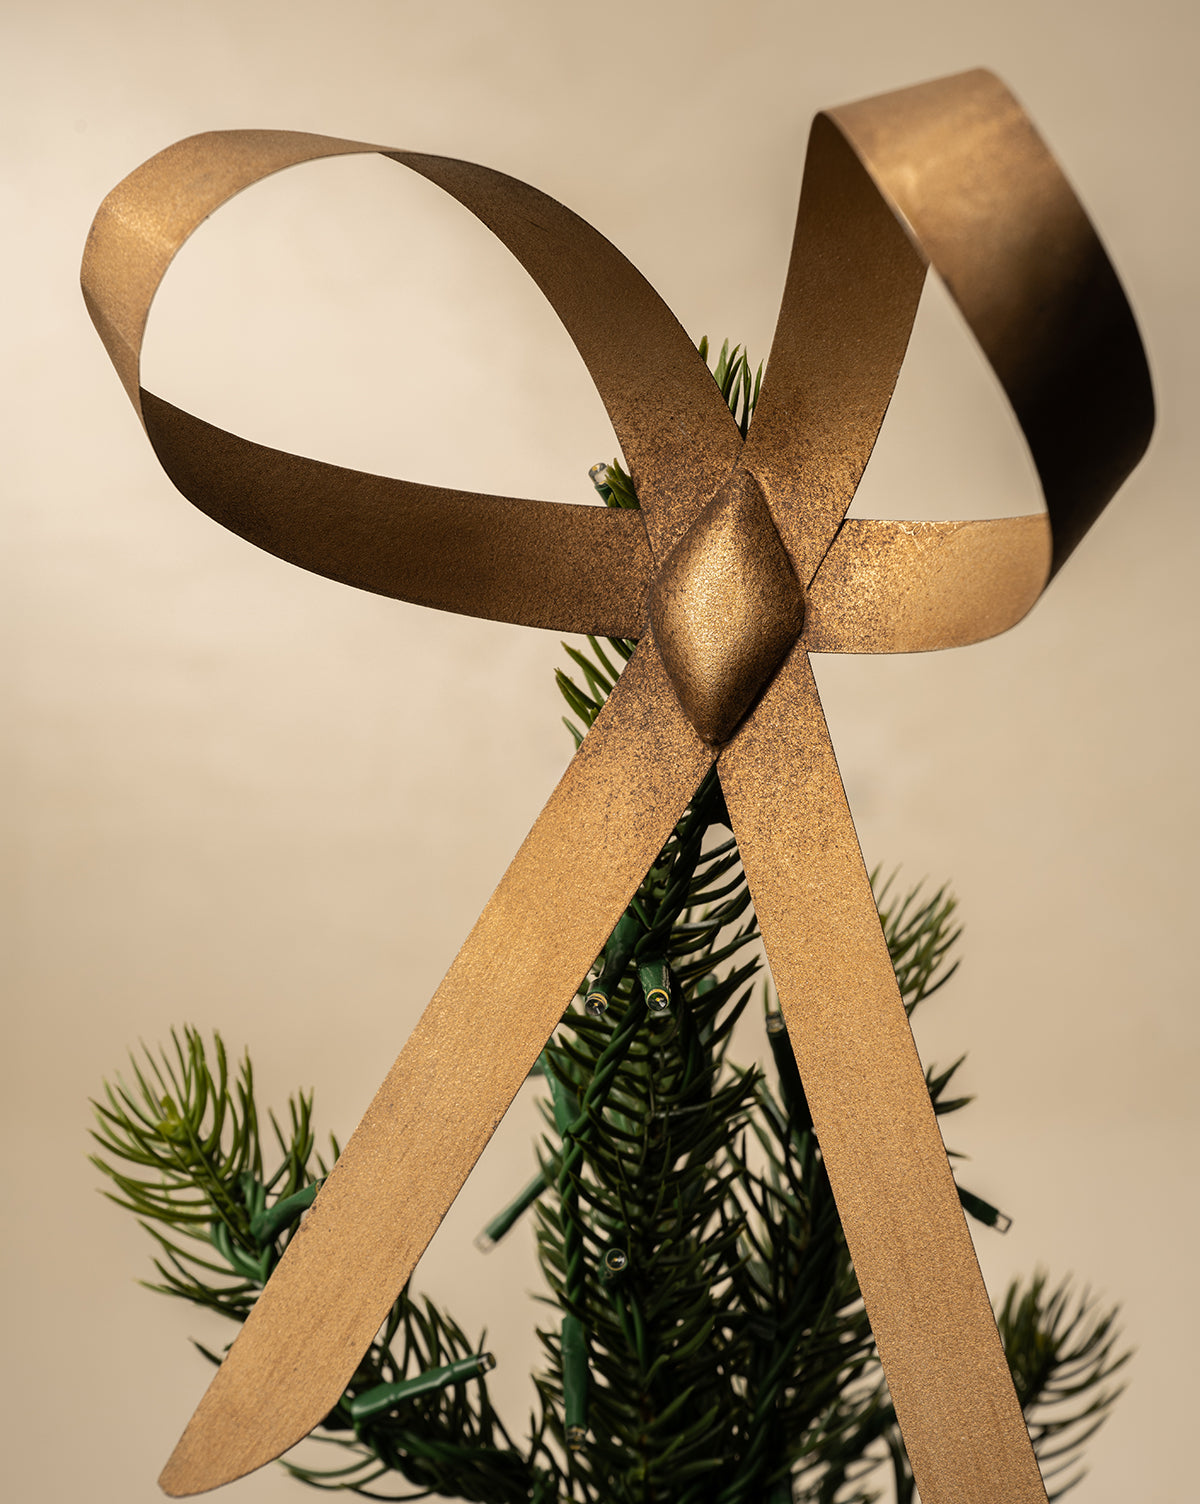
[
  {"x": 1062, "y": 1351},
  {"x": 191, "y": 1138},
  {"x": 418, "y": 1411},
  {"x": 709, "y": 1344},
  {"x": 186, "y": 1137}
]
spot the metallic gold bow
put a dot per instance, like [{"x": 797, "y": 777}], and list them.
[{"x": 739, "y": 565}]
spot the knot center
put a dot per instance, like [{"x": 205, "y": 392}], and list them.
[{"x": 726, "y": 608}]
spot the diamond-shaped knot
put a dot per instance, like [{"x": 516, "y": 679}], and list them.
[{"x": 726, "y": 608}]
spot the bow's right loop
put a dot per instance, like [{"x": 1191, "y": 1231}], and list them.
[{"x": 949, "y": 174}]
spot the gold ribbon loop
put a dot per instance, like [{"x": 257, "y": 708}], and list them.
[
  {"x": 537, "y": 563},
  {"x": 572, "y": 568},
  {"x": 986, "y": 204}
]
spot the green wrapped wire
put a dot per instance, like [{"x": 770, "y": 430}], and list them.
[
  {"x": 504, "y": 1221},
  {"x": 791, "y": 1088},
  {"x": 655, "y": 979},
  {"x": 575, "y": 1382},
  {"x": 983, "y": 1211},
  {"x": 617, "y": 955},
  {"x": 267, "y": 1224},
  {"x": 385, "y": 1397}
]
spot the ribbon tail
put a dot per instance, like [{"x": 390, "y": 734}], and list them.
[
  {"x": 555, "y": 907},
  {"x": 912, "y": 1253}
]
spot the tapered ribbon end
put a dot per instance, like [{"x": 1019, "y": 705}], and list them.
[
  {"x": 203, "y": 1459},
  {"x": 182, "y": 1478},
  {"x": 207, "y": 1457},
  {"x": 192, "y": 1469},
  {"x": 223, "y": 1442}
]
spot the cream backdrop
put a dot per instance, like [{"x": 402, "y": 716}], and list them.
[{"x": 243, "y": 796}]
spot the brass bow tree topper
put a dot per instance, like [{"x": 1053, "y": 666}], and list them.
[{"x": 739, "y": 565}]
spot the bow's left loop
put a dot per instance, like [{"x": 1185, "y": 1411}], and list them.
[{"x": 571, "y": 568}]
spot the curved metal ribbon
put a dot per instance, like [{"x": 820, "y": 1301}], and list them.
[{"x": 740, "y": 563}]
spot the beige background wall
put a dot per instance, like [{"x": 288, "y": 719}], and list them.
[{"x": 243, "y": 796}]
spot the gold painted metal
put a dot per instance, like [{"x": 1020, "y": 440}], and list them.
[
  {"x": 726, "y": 608},
  {"x": 866, "y": 1089},
  {"x": 454, "y": 1080},
  {"x": 906, "y": 587},
  {"x": 571, "y": 568},
  {"x": 739, "y": 564}
]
